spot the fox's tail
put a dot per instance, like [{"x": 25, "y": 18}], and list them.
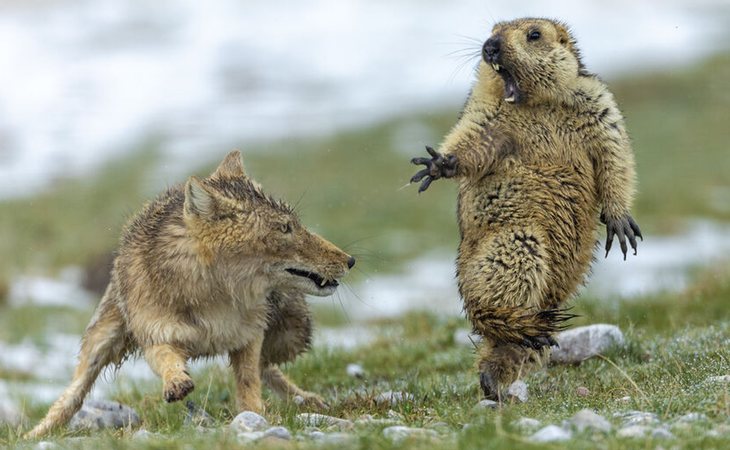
[{"x": 104, "y": 343}]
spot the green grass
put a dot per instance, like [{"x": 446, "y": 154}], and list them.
[{"x": 348, "y": 187}]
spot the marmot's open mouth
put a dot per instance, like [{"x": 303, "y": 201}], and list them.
[
  {"x": 512, "y": 92},
  {"x": 315, "y": 277}
]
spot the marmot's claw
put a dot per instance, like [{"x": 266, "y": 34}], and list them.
[
  {"x": 623, "y": 227},
  {"x": 489, "y": 387},
  {"x": 538, "y": 342},
  {"x": 437, "y": 167}
]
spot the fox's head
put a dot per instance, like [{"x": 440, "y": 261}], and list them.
[{"x": 240, "y": 228}]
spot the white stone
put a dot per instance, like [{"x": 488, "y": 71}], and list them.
[
  {"x": 249, "y": 436},
  {"x": 248, "y": 421},
  {"x": 398, "y": 433},
  {"x": 551, "y": 433},
  {"x": 278, "y": 432},
  {"x": 355, "y": 370},
  {"x": 393, "y": 398},
  {"x": 526, "y": 424},
  {"x": 662, "y": 433},
  {"x": 330, "y": 438},
  {"x": 586, "y": 419},
  {"x": 633, "y": 431},
  {"x": 637, "y": 418},
  {"x": 46, "y": 445},
  {"x": 322, "y": 420},
  {"x": 581, "y": 343},
  {"x": 692, "y": 417},
  {"x": 517, "y": 391},
  {"x": 98, "y": 414},
  {"x": 144, "y": 434},
  {"x": 486, "y": 404},
  {"x": 368, "y": 419},
  {"x": 719, "y": 379}
]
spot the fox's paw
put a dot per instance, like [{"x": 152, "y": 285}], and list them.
[
  {"x": 310, "y": 400},
  {"x": 622, "y": 227},
  {"x": 437, "y": 166},
  {"x": 176, "y": 388}
]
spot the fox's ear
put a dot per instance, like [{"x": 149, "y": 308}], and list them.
[
  {"x": 231, "y": 167},
  {"x": 200, "y": 201}
]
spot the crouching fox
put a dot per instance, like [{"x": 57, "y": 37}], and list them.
[{"x": 212, "y": 267}]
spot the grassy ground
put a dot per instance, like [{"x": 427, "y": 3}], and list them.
[{"x": 348, "y": 187}]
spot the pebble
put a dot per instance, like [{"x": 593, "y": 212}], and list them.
[
  {"x": 582, "y": 391},
  {"x": 368, "y": 419},
  {"x": 692, "y": 417},
  {"x": 662, "y": 433},
  {"x": 99, "y": 414},
  {"x": 278, "y": 433},
  {"x": 551, "y": 433},
  {"x": 197, "y": 416},
  {"x": 527, "y": 424},
  {"x": 330, "y": 438},
  {"x": 394, "y": 398},
  {"x": 517, "y": 391},
  {"x": 248, "y": 421},
  {"x": 46, "y": 445},
  {"x": 581, "y": 343},
  {"x": 399, "y": 433},
  {"x": 486, "y": 404},
  {"x": 633, "y": 431},
  {"x": 355, "y": 371},
  {"x": 719, "y": 379},
  {"x": 322, "y": 420},
  {"x": 637, "y": 418},
  {"x": 722, "y": 430},
  {"x": 587, "y": 419},
  {"x": 143, "y": 434},
  {"x": 246, "y": 437}
]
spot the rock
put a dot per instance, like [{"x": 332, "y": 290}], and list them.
[
  {"x": 439, "y": 427},
  {"x": 248, "y": 421},
  {"x": 486, "y": 404},
  {"x": 722, "y": 430},
  {"x": 551, "y": 433},
  {"x": 143, "y": 434},
  {"x": 582, "y": 391},
  {"x": 692, "y": 417},
  {"x": 325, "y": 421},
  {"x": 637, "y": 418},
  {"x": 586, "y": 419},
  {"x": 581, "y": 343},
  {"x": 10, "y": 414},
  {"x": 99, "y": 414},
  {"x": 46, "y": 445},
  {"x": 246, "y": 437},
  {"x": 197, "y": 416},
  {"x": 517, "y": 391},
  {"x": 368, "y": 420},
  {"x": 330, "y": 438},
  {"x": 393, "y": 398},
  {"x": 399, "y": 433},
  {"x": 662, "y": 433},
  {"x": 465, "y": 337},
  {"x": 718, "y": 379},
  {"x": 355, "y": 371},
  {"x": 527, "y": 424},
  {"x": 278, "y": 433},
  {"x": 633, "y": 431}
]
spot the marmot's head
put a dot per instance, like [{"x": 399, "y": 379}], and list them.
[{"x": 537, "y": 59}]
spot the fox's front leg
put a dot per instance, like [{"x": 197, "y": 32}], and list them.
[
  {"x": 170, "y": 364},
  {"x": 247, "y": 373}
]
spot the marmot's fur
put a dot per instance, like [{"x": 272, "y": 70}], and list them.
[{"x": 539, "y": 151}]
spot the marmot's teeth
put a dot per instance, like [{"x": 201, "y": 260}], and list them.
[
  {"x": 495, "y": 66},
  {"x": 510, "y": 99}
]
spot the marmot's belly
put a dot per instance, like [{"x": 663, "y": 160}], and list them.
[{"x": 558, "y": 207}]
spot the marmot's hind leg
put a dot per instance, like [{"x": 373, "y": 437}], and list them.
[
  {"x": 501, "y": 364},
  {"x": 288, "y": 335}
]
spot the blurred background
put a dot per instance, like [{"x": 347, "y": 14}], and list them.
[{"x": 104, "y": 103}]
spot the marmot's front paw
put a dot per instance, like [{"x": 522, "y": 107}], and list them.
[
  {"x": 538, "y": 342},
  {"x": 438, "y": 166},
  {"x": 622, "y": 227}
]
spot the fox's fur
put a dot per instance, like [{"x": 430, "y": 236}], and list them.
[
  {"x": 212, "y": 267},
  {"x": 536, "y": 161}
]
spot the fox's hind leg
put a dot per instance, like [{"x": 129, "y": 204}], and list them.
[
  {"x": 104, "y": 342},
  {"x": 288, "y": 335},
  {"x": 170, "y": 364}
]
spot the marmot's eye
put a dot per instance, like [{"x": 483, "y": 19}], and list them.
[
  {"x": 285, "y": 228},
  {"x": 533, "y": 35}
]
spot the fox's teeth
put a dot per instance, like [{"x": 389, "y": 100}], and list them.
[{"x": 323, "y": 282}]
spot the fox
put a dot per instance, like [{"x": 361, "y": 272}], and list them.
[{"x": 215, "y": 266}]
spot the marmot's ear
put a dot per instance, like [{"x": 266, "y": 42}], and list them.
[
  {"x": 231, "y": 167},
  {"x": 200, "y": 201}
]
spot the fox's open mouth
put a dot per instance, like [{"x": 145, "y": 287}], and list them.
[
  {"x": 318, "y": 279},
  {"x": 512, "y": 93}
]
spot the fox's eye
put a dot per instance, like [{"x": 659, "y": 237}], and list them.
[
  {"x": 285, "y": 228},
  {"x": 533, "y": 35}
]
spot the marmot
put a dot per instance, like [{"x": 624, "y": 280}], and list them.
[{"x": 539, "y": 151}]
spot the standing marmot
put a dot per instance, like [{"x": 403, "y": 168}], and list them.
[{"x": 539, "y": 151}]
